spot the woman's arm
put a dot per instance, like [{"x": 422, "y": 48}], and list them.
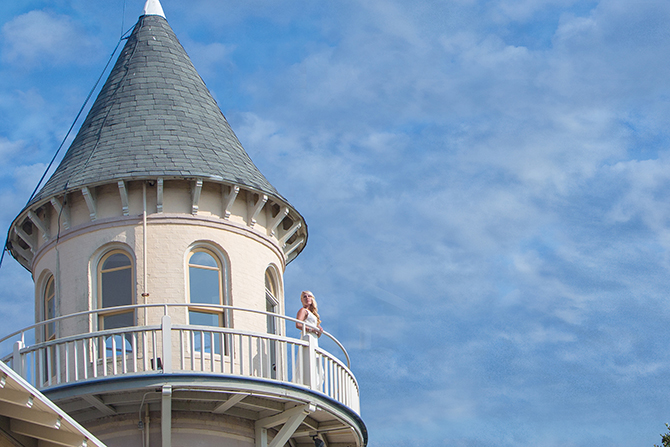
[{"x": 302, "y": 315}]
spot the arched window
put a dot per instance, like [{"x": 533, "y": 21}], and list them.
[
  {"x": 115, "y": 288},
  {"x": 271, "y": 305},
  {"x": 49, "y": 309},
  {"x": 49, "y": 328},
  {"x": 206, "y": 286},
  {"x": 271, "y": 301}
]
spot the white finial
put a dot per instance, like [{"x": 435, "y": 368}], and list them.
[{"x": 153, "y": 8}]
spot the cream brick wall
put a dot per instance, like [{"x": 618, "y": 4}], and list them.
[
  {"x": 188, "y": 428},
  {"x": 247, "y": 251}
]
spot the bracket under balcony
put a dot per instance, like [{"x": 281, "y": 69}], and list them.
[{"x": 291, "y": 420}]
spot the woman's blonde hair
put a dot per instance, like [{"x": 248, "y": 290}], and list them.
[{"x": 313, "y": 308}]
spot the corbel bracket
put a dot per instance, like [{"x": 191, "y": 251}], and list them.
[
  {"x": 89, "y": 197},
  {"x": 25, "y": 237},
  {"x": 39, "y": 223},
  {"x": 255, "y": 208},
  {"x": 283, "y": 212},
  {"x": 229, "y": 199},
  {"x": 197, "y": 189},
  {"x": 27, "y": 255},
  {"x": 294, "y": 246},
  {"x": 124, "y": 197},
  {"x": 290, "y": 232},
  {"x": 159, "y": 195},
  {"x": 62, "y": 211}
]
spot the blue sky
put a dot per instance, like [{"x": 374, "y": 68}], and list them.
[{"x": 485, "y": 184}]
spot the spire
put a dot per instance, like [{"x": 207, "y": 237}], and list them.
[
  {"x": 154, "y": 117},
  {"x": 153, "y": 8}
]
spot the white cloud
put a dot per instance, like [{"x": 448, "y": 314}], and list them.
[
  {"x": 26, "y": 178},
  {"x": 209, "y": 59},
  {"x": 9, "y": 150},
  {"x": 645, "y": 184},
  {"x": 42, "y": 38},
  {"x": 18, "y": 295},
  {"x": 538, "y": 335},
  {"x": 525, "y": 9},
  {"x": 306, "y": 158}
]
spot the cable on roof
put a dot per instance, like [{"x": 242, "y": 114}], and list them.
[
  {"x": 123, "y": 37},
  {"x": 113, "y": 95}
]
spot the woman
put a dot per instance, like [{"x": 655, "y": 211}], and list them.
[{"x": 310, "y": 314}]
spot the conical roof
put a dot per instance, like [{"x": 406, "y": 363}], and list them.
[{"x": 154, "y": 117}]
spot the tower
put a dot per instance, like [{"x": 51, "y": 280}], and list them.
[{"x": 158, "y": 250}]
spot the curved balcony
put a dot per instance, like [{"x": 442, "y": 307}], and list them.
[{"x": 169, "y": 348}]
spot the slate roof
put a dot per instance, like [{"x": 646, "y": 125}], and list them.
[{"x": 154, "y": 117}]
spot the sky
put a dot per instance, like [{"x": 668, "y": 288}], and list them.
[{"x": 485, "y": 185}]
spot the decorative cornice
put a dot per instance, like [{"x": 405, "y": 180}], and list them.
[{"x": 162, "y": 219}]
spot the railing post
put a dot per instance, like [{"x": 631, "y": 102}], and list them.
[
  {"x": 166, "y": 416},
  {"x": 166, "y": 332},
  {"x": 17, "y": 361},
  {"x": 309, "y": 363}
]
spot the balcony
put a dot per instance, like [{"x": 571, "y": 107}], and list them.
[{"x": 170, "y": 348}]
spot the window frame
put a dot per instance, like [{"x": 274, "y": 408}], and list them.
[
  {"x": 271, "y": 298},
  {"x": 273, "y": 326},
  {"x": 102, "y": 314},
  {"x": 224, "y": 315},
  {"x": 50, "y": 328},
  {"x": 222, "y": 269}
]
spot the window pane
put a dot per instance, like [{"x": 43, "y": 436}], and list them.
[
  {"x": 51, "y": 327},
  {"x": 50, "y": 288},
  {"x": 268, "y": 282},
  {"x": 122, "y": 344},
  {"x": 271, "y": 323},
  {"x": 116, "y": 260},
  {"x": 205, "y": 319},
  {"x": 50, "y": 311},
  {"x": 118, "y": 320},
  {"x": 117, "y": 288},
  {"x": 49, "y": 298},
  {"x": 203, "y": 258},
  {"x": 204, "y": 286}
]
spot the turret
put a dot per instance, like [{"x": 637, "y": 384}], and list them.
[{"x": 158, "y": 251}]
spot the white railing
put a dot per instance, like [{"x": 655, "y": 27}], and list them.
[{"x": 167, "y": 348}]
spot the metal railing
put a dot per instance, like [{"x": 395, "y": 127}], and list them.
[{"x": 168, "y": 348}]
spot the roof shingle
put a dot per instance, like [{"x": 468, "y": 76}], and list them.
[{"x": 154, "y": 117}]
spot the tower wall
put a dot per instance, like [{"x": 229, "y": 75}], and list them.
[
  {"x": 73, "y": 257},
  {"x": 195, "y": 429}
]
